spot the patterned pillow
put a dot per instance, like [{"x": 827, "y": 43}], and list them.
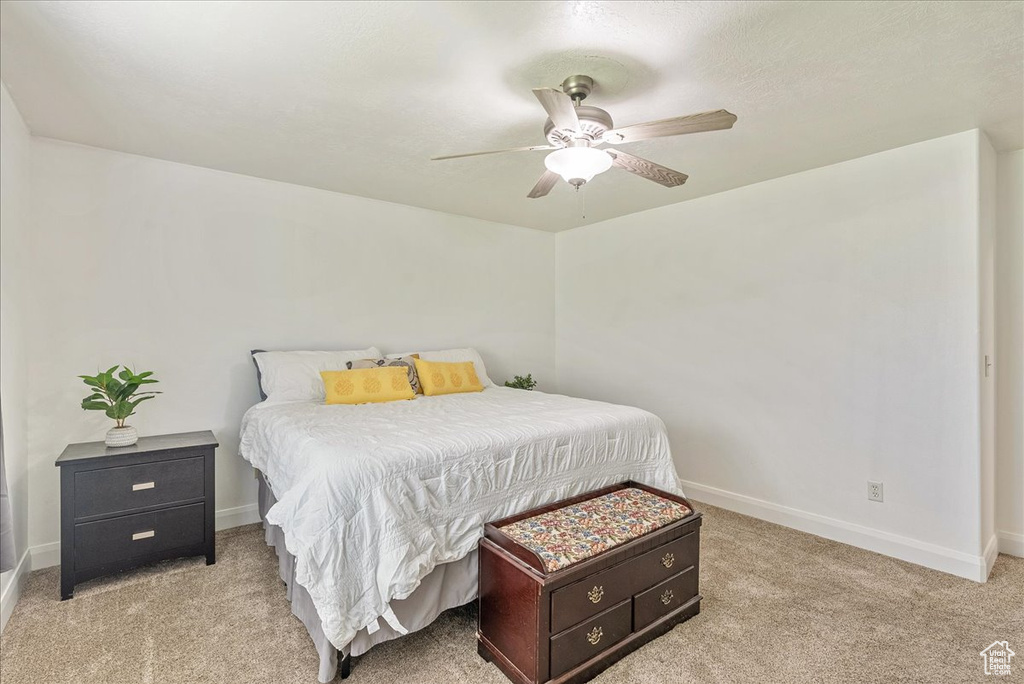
[
  {"x": 438, "y": 377},
  {"x": 366, "y": 385},
  {"x": 406, "y": 361}
]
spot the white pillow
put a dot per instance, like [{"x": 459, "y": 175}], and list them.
[
  {"x": 295, "y": 375},
  {"x": 455, "y": 355}
]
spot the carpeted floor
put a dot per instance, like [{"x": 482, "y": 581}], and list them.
[{"x": 779, "y": 606}]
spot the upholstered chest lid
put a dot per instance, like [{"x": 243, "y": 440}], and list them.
[{"x": 576, "y": 532}]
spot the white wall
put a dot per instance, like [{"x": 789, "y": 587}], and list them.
[
  {"x": 800, "y": 337},
  {"x": 1010, "y": 353},
  {"x": 809, "y": 333},
  {"x": 14, "y": 231},
  {"x": 183, "y": 270}
]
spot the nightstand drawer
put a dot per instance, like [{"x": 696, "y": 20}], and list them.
[
  {"x": 128, "y": 488},
  {"x": 109, "y": 542}
]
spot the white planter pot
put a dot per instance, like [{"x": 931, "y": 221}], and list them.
[{"x": 121, "y": 436}]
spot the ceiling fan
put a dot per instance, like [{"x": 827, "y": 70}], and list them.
[{"x": 575, "y": 132}]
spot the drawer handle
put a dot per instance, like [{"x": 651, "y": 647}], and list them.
[
  {"x": 595, "y": 635},
  {"x": 667, "y": 597},
  {"x": 667, "y": 560},
  {"x": 143, "y": 535},
  {"x": 143, "y": 485},
  {"x": 596, "y": 594}
]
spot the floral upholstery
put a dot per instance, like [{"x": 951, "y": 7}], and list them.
[{"x": 574, "y": 533}]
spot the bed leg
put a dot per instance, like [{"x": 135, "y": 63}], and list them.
[{"x": 345, "y": 666}]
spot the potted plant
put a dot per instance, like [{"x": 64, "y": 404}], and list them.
[
  {"x": 118, "y": 397},
  {"x": 519, "y": 382}
]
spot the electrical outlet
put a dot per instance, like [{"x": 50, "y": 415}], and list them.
[{"x": 874, "y": 491}]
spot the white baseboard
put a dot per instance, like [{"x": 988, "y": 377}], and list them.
[
  {"x": 48, "y": 555},
  {"x": 236, "y": 517},
  {"x": 1011, "y": 543},
  {"x": 44, "y": 555},
  {"x": 990, "y": 555},
  {"x": 911, "y": 550},
  {"x": 12, "y": 591}
]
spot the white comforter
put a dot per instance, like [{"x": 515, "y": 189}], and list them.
[{"x": 372, "y": 497}]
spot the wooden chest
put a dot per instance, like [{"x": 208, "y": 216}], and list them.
[{"x": 540, "y": 624}]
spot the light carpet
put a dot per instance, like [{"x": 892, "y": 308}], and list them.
[{"x": 779, "y": 606}]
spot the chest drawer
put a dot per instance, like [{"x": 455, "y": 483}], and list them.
[
  {"x": 128, "y": 488},
  {"x": 590, "y": 596},
  {"x": 572, "y": 647},
  {"x": 664, "y": 561},
  {"x": 112, "y": 541},
  {"x": 663, "y": 598}
]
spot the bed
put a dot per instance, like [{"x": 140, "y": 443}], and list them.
[{"x": 375, "y": 510}]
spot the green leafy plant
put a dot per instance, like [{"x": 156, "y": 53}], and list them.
[
  {"x": 117, "y": 396},
  {"x": 519, "y": 382}
]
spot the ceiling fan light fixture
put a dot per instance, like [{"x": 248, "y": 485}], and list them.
[{"x": 577, "y": 165}]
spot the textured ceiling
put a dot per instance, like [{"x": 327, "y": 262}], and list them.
[{"x": 356, "y": 97}]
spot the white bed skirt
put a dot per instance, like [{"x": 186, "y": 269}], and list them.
[{"x": 448, "y": 586}]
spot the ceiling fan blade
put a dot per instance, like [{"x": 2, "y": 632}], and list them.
[
  {"x": 559, "y": 107},
  {"x": 647, "y": 169},
  {"x": 692, "y": 123},
  {"x": 544, "y": 185},
  {"x": 511, "y": 149}
]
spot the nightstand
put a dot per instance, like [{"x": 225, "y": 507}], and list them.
[{"x": 127, "y": 506}]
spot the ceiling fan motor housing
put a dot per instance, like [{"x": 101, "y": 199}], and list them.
[
  {"x": 593, "y": 124},
  {"x": 577, "y": 87}
]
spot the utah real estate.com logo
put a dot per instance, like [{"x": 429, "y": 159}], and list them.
[{"x": 997, "y": 658}]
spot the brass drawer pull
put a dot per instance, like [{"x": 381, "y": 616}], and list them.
[
  {"x": 143, "y": 535},
  {"x": 596, "y": 594},
  {"x": 667, "y": 560},
  {"x": 666, "y": 598},
  {"x": 143, "y": 485},
  {"x": 595, "y": 635}
]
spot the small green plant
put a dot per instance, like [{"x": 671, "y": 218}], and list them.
[
  {"x": 519, "y": 382},
  {"x": 117, "y": 396}
]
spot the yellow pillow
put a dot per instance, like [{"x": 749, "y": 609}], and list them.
[
  {"x": 367, "y": 385},
  {"x": 438, "y": 377}
]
